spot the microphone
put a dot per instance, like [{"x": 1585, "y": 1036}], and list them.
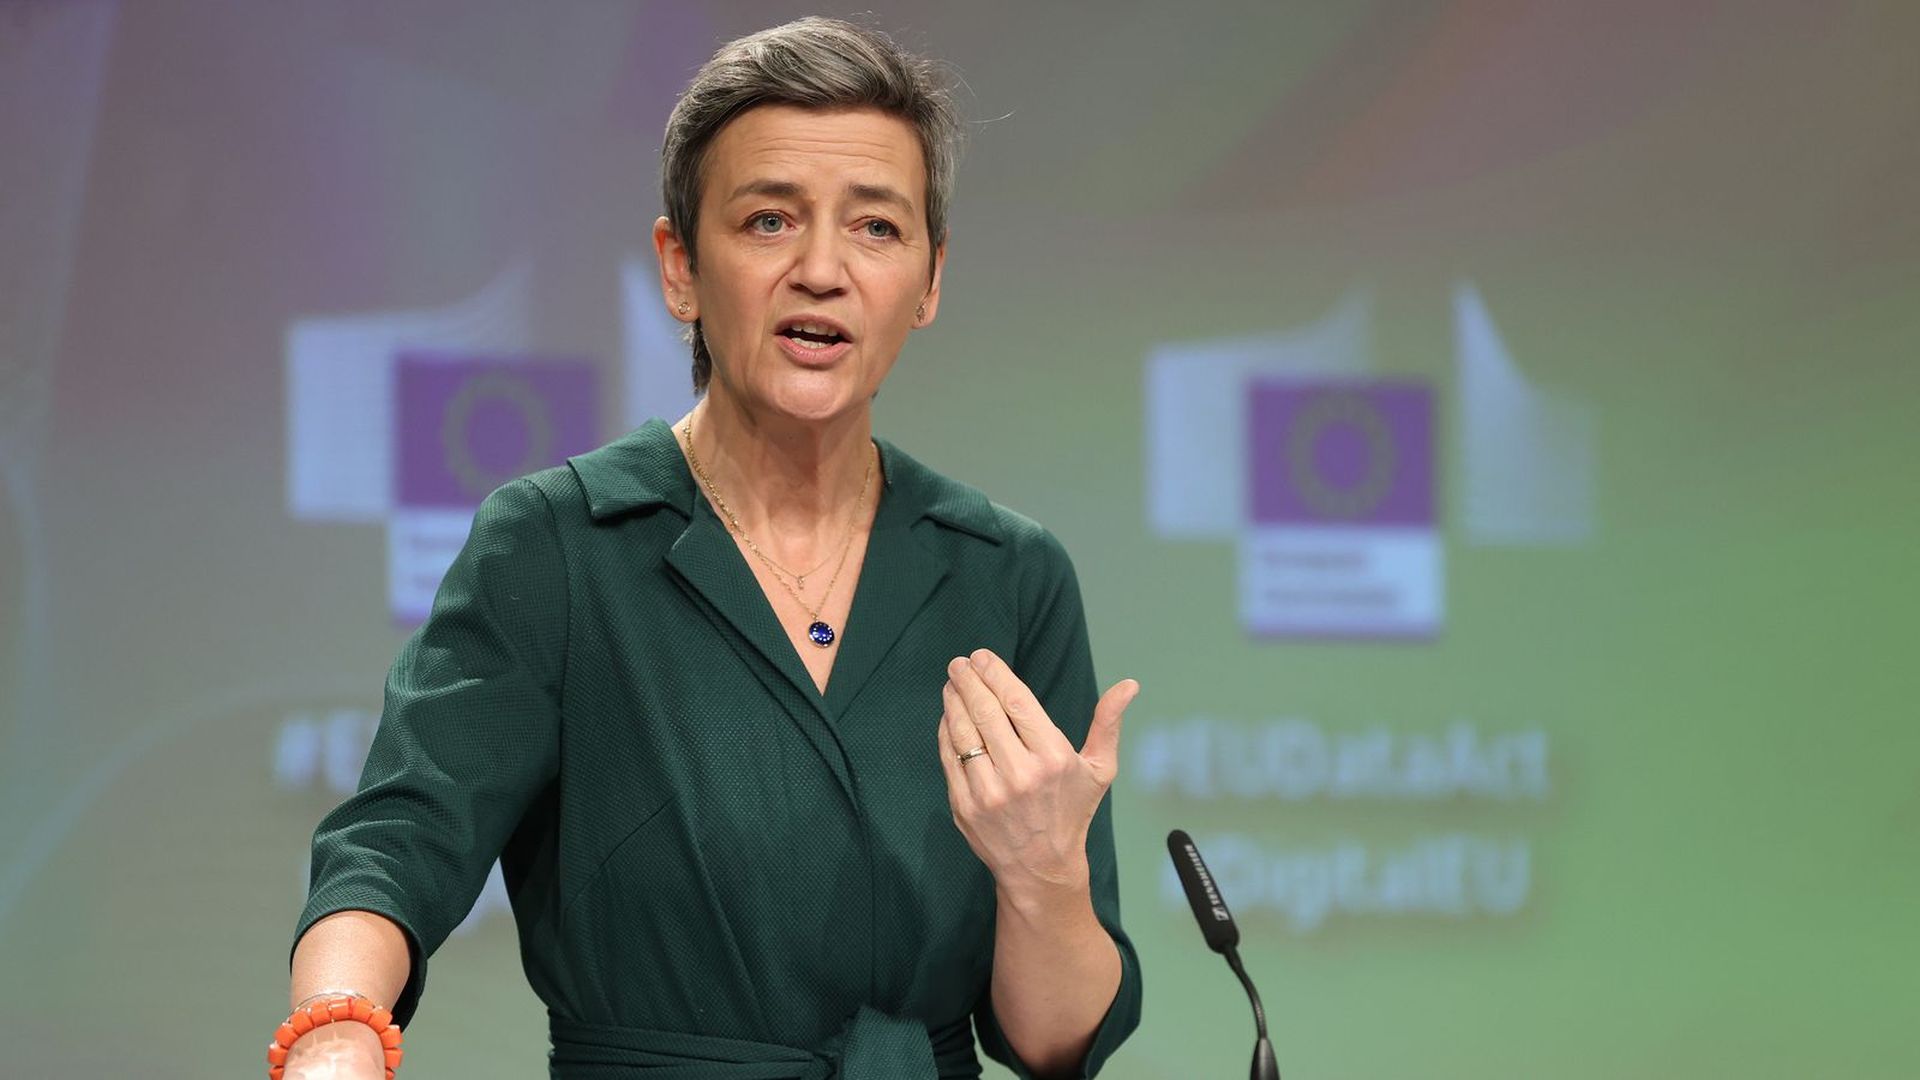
[{"x": 1216, "y": 925}]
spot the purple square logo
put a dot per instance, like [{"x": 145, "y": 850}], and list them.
[
  {"x": 1341, "y": 541},
  {"x": 1341, "y": 453},
  {"x": 466, "y": 425}
]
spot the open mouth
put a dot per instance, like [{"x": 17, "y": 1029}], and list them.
[{"x": 813, "y": 335}]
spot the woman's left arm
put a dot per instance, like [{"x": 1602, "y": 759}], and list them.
[
  {"x": 1055, "y": 973},
  {"x": 1026, "y": 807},
  {"x": 1035, "y": 810}
]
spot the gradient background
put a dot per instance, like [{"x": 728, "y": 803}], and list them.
[{"x": 1693, "y": 225}]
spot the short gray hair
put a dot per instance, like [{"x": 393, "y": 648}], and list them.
[{"x": 814, "y": 63}]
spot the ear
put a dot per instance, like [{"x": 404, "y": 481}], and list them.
[
  {"x": 676, "y": 272},
  {"x": 931, "y": 303}
]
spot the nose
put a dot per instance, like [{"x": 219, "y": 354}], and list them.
[{"x": 820, "y": 264}]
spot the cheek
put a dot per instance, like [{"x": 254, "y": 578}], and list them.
[
  {"x": 737, "y": 308},
  {"x": 897, "y": 292}
]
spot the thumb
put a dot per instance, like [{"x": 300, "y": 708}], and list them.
[{"x": 1102, "y": 749}]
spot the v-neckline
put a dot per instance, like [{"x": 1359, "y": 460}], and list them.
[
  {"x": 773, "y": 612},
  {"x": 760, "y": 623},
  {"x": 906, "y": 563},
  {"x": 896, "y": 577}
]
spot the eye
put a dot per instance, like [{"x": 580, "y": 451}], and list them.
[
  {"x": 881, "y": 229},
  {"x": 768, "y": 223}
]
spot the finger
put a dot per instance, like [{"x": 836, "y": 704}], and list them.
[
  {"x": 980, "y": 771},
  {"x": 1102, "y": 748},
  {"x": 988, "y": 718},
  {"x": 962, "y": 735},
  {"x": 1023, "y": 710},
  {"x": 959, "y": 795}
]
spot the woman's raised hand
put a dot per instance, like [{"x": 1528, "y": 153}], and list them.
[{"x": 1026, "y": 804}]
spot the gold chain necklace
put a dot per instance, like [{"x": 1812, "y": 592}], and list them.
[
  {"x": 818, "y": 631},
  {"x": 800, "y": 580}
]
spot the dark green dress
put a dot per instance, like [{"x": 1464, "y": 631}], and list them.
[{"x": 717, "y": 873}]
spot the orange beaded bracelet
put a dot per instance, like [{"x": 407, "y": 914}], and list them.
[{"x": 330, "y": 1008}]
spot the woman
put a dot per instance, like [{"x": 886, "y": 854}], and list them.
[{"x": 772, "y": 728}]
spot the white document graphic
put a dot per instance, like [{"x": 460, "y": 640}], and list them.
[
  {"x": 340, "y": 407},
  {"x": 1196, "y": 433},
  {"x": 1527, "y": 456}
]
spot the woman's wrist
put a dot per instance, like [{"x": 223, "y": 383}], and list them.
[
  {"x": 334, "y": 1052},
  {"x": 329, "y": 1011},
  {"x": 1066, "y": 890}
]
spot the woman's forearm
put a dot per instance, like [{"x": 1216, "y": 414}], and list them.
[
  {"x": 1055, "y": 973},
  {"x": 352, "y": 950},
  {"x": 348, "y": 950}
]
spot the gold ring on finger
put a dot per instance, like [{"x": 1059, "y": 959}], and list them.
[{"x": 971, "y": 754}]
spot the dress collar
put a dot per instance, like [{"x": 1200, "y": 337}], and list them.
[{"x": 645, "y": 469}]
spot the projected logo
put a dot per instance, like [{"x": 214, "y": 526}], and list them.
[
  {"x": 408, "y": 419},
  {"x": 1325, "y": 474},
  {"x": 464, "y": 426},
  {"x": 1342, "y": 540}
]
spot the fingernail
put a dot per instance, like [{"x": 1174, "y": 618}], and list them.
[{"x": 980, "y": 658}]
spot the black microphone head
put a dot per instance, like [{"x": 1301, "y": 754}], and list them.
[{"x": 1216, "y": 922}]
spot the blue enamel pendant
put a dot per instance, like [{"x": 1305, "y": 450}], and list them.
[{"x": 820, "y": 634}]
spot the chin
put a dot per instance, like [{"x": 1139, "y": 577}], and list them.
[{"x": 814, "y": 396}]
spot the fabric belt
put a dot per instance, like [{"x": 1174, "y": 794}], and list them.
[{"x": 871, "y": 1045}]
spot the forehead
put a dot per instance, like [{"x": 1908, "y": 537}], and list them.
[{"x": 820, "y": 150}]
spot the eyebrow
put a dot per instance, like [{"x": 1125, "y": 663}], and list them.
[
  {"x": 880, "y": 193},
  {"x": 779, "y": 189},
  {"x": 787, "y": 189}
]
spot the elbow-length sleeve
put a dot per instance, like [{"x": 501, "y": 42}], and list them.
[
  {"x": 468, "y": 736},
  {"x": 1056, "y": 661}
]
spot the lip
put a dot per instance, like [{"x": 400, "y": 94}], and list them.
[
  {"x": 811, "y": 357},
  {"x": 803, "y": 318}
]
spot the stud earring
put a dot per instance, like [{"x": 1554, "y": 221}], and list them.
[
  {"x": 685, "y": 307},
  {"x": 920, "y": 313}
]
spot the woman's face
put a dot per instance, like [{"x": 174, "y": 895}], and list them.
[{"x": 814, "y": 257}]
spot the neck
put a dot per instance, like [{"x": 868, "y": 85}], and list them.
[{"x": 792, "y": 483}]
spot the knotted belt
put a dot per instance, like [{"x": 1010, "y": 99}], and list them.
[{"x": 871, "y": 1045}]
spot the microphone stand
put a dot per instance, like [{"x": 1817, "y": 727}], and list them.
[{"x": 1265, "y": 1067}]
